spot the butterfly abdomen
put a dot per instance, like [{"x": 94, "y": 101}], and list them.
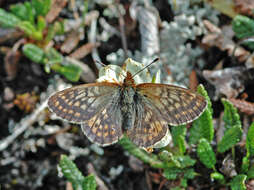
[{"x": 127, "y": 107}]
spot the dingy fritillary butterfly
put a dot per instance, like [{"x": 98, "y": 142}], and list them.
[{"x": 107, "y": 110}]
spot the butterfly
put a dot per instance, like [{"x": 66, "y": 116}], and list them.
[{"x": 108, "y": 110}]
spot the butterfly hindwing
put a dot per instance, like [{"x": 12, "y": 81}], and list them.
[
  {"x": 104, "y": 128},
  {"x": 149, "y": 127},
  {"x": 176, "y": 105}
]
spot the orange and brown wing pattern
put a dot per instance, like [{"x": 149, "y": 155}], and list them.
[
  {"x": 149, "y": 127},
  {"x": 79, "y": 104},
  {"x": 176, "y": 105},
  {"x": 105, "y": 128}
]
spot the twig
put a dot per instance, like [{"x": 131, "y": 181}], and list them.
[
  {"x": 24, "y": 124},
  {"x": 92, "y": 39},
  {"x": 122, "y": 30},
  {"x": 101, "y": 184}
]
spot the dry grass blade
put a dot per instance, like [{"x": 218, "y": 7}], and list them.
[
  {"x": 223, "y": 40},
  {"x": 243, "y": 105},
  {"x": 56, "y": 8},
  {"x": 11, "y": 61},
  {"x": 84, "y": 50},
  {"x": 70, "y": 42}
]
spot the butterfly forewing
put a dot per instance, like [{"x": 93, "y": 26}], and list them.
[
  {"x": 80, "y": 103},
  {"x": 95, "y": 106},
  {"x": 176, "y": 105}
]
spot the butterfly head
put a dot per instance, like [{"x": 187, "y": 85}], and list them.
[{"x": 129, "y": 81}]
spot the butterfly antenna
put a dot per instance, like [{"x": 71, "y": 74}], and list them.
[
  {"x": 155, "y": 60},
  {"x": 104, "y": 65},
  {"x": 99, "y": 62}
]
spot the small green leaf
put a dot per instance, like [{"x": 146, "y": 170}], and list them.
[
  {"x": 243, "y": 26},
  {"x": 250, "y": 173},
  {"x": 41, "y": 23},
  {"x": 245, "y": 164},
  {"x": 177, "y": 188},
  {"x": 231, "y": 137},
  {"x": 185, "y": 161},
  {"x": 238, "y": 182},
  {"x": 23, "y": 11},
  {"x": 33, "y": 52},
  {"x": 71, "y": 72},
  {"x": 203, "y": 126},
  {"x": 250, "y": 141},
  {"x": 189, "y": 173},
  {"x": 151, "y": 159},
  {"x": 249, "y": 42},
  {"x": 184, "y": 182},
  {"x": 30, "y": 30},
  {"x": 218, "y": 176},
  {"x": 178, "y": 135},
  {"x": 167, "y": 157},
  {"x": 41, "y": 7},
  {"x": 53, "y": 56},
  {"x": 89, "y": 183},
  {"x": 7, "y": 19},
  {"x": 206, "y": 154},
  {"x": 171, "y": 173},
  {"x": 71, "y": 172},
  {"x": 230, "y": 117},
  {"x": 30, "y": 12},
  {"x": 20, "y": 11}
]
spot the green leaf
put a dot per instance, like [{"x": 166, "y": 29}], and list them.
[
  {"x": 238, "y": 182},
  {"x": 41, "y": 23},
  {"x": 71, "y": 172},
  {"x": 250, "y": 173},
  {"x": 30, "y": 30},
  {"x": 176, "y": 188},
  {"x": 218, "y": 176},
  {"x": 185, "y": 161},
  {"x": 189, "y": 173},
  {"x": 71, "y": 72},
  {"x": 53, "y": 56},
  {"x": 41, "y": 7},
  {"x": 7, "y": 19},
  {"x": 178, "y": 134},
  {"x": 249, "y": 42},
  {"x": 250, "y": 141},
  {"x": 172, "y": 173},
  {"x": 231, "y": 137},
  {"x": 151, "y": 159},
  {"x": 20, "y": 11},
  {"x": 243, "y": 26},
  {"x": 184, "y": 182},
  {"x": 33, "y": 52},
  {"x": 203, "y": 126},
  {"x": 176, "y": 161},
  {"x": 23, "y": 11},
  {"x": 89, "y": 183},
  {"x": 206, "y": 154},
  {"x": 245, "y": 164},
  {"x": 168, "y": 158},
  {"x": 230, "y": 117}
]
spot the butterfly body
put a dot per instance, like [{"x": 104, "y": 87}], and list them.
[{"x": 108, "y": 110}]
